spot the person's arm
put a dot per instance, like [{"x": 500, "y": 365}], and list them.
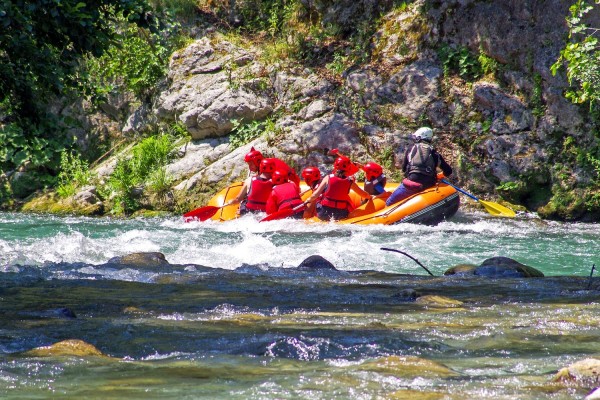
[
  {"x": 445, "y": 167},
  {"x": 359, "y": 191},
  {"x": 241, "y": 195},
  {"x": 405, "y": 160},
  {"x": 317, "y": 192}
]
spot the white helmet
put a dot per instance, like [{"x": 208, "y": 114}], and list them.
[{"x": 423, "y": 133}]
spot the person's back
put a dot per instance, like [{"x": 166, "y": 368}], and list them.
[
  {"x": 335, "y": 188},
  {"x": 260, "y": 188},
  {"x": 420, "y": 164},
  {"x": 284, "y": 195}
]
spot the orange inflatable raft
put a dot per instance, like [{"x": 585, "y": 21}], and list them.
[{"x": 430, "y": 206}]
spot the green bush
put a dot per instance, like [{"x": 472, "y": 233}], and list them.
[
  {"x": 245, "y": 133},
  {"x": 581, "y": 56},
  {"x": 74, "y": 173},
  {"x": 136, "y": 62},
  {"x": 131, "y": 174},
  {"x": 459, "y": 60}
]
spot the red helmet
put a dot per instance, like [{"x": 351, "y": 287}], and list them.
[
  {"x": 342, "y": 163},
  {"x": 279, "y": 177},
  {"x": 372, "y": 170},
  {"x": 254, "y": 157},
  {"x": 311, "y": 175},
  {"x": 267, "y": 165}
]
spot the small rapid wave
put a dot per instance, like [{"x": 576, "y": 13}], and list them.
[{"x": 552, "y": 247}]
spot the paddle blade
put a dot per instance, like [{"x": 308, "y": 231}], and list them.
[
  {"x": 201, "y": 214},
  {"x": 497, "y": 209},
  {"x": 281, "y": 214}
]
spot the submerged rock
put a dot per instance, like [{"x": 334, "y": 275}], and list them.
[
  {"x": 407, "y": 366},
  {"x": 438, "y": 301},
  {"x": 315, "y": 262},
  {"x": 461, "y": 269},
  {"x": 407, "y": 294},
  {"x": 71, "y": 347},
  {"x": 497, "y": 267},
  {"x": 149, "y": 259}
]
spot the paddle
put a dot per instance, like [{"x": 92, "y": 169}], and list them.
[
  {"x": 201, "y": 213},
  {"x": 491, "y": 207},
  {"x": 281, "y": 214}
]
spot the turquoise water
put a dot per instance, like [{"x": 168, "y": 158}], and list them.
[
  {"x": 231, "y": 317},
  {"x": 552, "y": 247}
]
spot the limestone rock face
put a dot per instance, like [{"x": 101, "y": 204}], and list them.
[{"x": 207, "y": 90}]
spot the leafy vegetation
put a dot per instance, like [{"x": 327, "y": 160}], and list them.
[
  {"x": 245, "y": 133},
  {"x": 126, "y": 183},
  {"x": 459, "y": 60},
  {"x": 581, "y": 56},
  {"x": 135, "y": 62},
  {"x": 74, "y": 173},
  {"x": 52, "y": 50},
  {"x": 42, "y": 44}
]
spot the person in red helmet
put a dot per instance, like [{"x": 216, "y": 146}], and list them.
[
  {"x": 256, "y": 189},
  {"x": 375, "y": 179},
  {"x": 285, "y": 194},
  {"x": 335, "y": 187},
  {"x": 312, "y": 177},
  {"x": 254, "y": 157}
]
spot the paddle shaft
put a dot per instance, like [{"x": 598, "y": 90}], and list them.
[{"x": 460, "y": 190}]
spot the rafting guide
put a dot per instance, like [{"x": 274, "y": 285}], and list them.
[{"x": 419, "y": 165}]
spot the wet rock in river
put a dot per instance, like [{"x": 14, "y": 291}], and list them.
[
  {"x": 315, "y": 262},
  {"x": 438, "y": 301},
  {"x": 407, "y": 295},
  {"x": 461, "y": 269},
  {"x": 504, "y": 267},
  {"x": 497, "y": 267},
  {"x": 148, "y": 259},
  {"x": 407, "y": 366},
  {"x": 585, "y": 373},
  {"x": 71, "y": 347}
]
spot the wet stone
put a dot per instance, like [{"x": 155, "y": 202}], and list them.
[
  {"x": 315, "y": 263},
  {"x": 71, "y": 347},
  {"x": 504, "y": 267},
  {"x": 148, "y": 259}
]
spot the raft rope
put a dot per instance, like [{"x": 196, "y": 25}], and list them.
[{"x": 409, "y": 256}]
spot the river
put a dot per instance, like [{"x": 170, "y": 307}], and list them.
[{"x": 232, "y": 318}]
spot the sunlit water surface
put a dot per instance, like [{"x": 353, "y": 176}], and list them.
[{"x": 232, "y": 317}]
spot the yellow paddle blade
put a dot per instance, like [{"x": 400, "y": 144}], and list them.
[{"x": 497, "y": 209}]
